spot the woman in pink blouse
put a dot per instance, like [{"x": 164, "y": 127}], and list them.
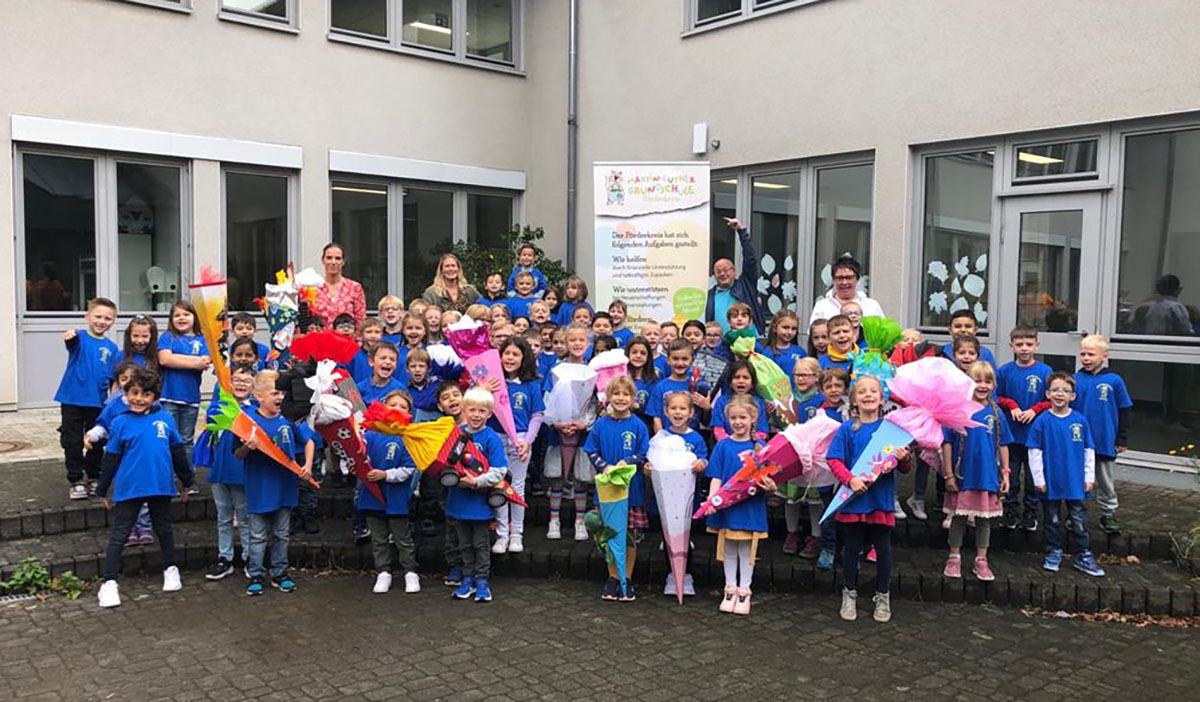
[{"x": 338, "y": 295}]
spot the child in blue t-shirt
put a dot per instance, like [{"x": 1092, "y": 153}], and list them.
[
  {"x": 244, "y": 351},
  {"x": 566, "y": 468},
  {"x": 740, "y": 527},
  {"x": 679, "y": 414},
  {"x": 621, "y": 438},
  {"x": 780, "y": 345},
  {"x": 384, "y": 358},
  {"x": 245, "y": 327},
  {"x": 575, "y": 294},
  {"x": 1101, "y": 396},
  {"x": 227, "y": 476},
  {"x": 526, "y": 403},
  {"x": 391, "y": 314},
  {"x": 522, "y": 297},
  {"x": 1021, "y": 390},
  {"x": 140, "y": 344},
  {"x": 467, "y": 502},
  {"x": 93, "y": 440},
  {"x": 91, "y": 358},
  {"x": 271, "y": 490},
  {"x": 683, "y": 378},
  {"x": 962, "y": 323},
  {"x": 843, "y": 341},
  {"x": 1062, "y": 459},
  {"x": 371, "y": 333},
  {"x": 740, "y": 382},
  {"x": 806, "y": 404},
  {"x": 617, "y": 310},
  {"x": 144, "y": 456},
  {"x": 183, "y": 355},
  {"x": 396, "y": 473},
  {"x": 526, "y": 263}
]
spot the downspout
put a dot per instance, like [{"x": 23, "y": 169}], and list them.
[{"x": 572, "y": 126}]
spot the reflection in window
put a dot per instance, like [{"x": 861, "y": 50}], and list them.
[
  {"x": 490, "y": 29},
  {"x": 428, "y": 23},
  {"x": 1166, "y": 403},
  {"x": 60, "y": 232},
  {"x": 271, "y": 9},
  {"x": 361, "y": 16},
  {"x": 844, "y": 213},
  {"x": 1048, "y": 160},
  {"x": 360, "y": 225},
  {"x": 1048, "y": 272},
  {"x": 1159, "y": 290},
  {"x": 428, "y": 227},
  {"x": 148, "y": 221},
  {"x": 774, "y": 229},
  {"x": 489, "y": 217},
  {"x": 724, "y": 204},
  {"x": 256, "y": 226},
  {"x": 713, "y": 9},
  {"x": 957, "y": 234}
]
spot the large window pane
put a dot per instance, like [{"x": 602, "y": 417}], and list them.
[
  {"x": 712, "y": 9},
  {"x": 428, "y": 229},
  {"x": 60, "y": 232},
  {"x": 275, "y": 9},
  {"x": 1166, "y": 403},
  {"x": 1048, "y": 274},
  {"x": 721, "y": 237},
  {"x": 958, "y": 226},
  {"x": 148, "y": 221},
  {"x": 775, "y": 231},
  {"x": 360, "y": 226},
  {"x": 489, "y": 217},
  {"x": 428, "y": 23},
  {"x": 844, "y": 213},
  {"x": 490, "y": 29},
  {"x": 361, "y": 16},
  {"x": 1159, "y": 289},
  {"x": 256, "y": 225}
]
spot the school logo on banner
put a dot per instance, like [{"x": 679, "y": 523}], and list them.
[
  {"x": 1077, "y": 432},
  {"x": 161, "y": 427}
]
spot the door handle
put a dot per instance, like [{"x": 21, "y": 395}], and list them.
[{"x": 1078, "y": 332}]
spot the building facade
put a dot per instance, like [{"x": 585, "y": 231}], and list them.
[{"x": 1033, "y": 162}]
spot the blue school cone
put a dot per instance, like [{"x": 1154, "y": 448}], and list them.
[
  {"x": 887, "y": 438},
  {"x": 612, "y": 492}
]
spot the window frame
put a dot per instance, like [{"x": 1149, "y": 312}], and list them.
[
  {"x": 394, "y": 234},
  {"x": 292, "y": 238},
  {"x": 458, "y": 54},
  {"x": 289, "y": 24},
  {"x": 184, "y": 6},
  {"x": 1092, "y": 175},
  {"x": 750, "y": 10}
]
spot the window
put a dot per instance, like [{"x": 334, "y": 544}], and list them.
[
  {"x": 269, "y": 13},
  {"x": 845, "y": 210},
  {"x": 428, "y": 231},
  {"x": 724, "y": 204},
  {"x": 957, "y": 236},
  {"x": 1159, "y": 290},
  {"x": 1076, "y": 160},
  {"x": 709, "y": 10},
  {"x": 360, "y": 226},
  {"x": 481, "y": 32},
  {"x": 60, "y": 232},
  {"x": 257, "y": 220},
  {"x": 179, "y": 5},
  {"x": 704, "y": 13},
  {"x": 489, "y": 218},
  {"x": 1166, "y": 403},
  {"x": 775, "y": 230},
  {"x": 1051, "y": 246},
  {"x": 148, "y": 236}
]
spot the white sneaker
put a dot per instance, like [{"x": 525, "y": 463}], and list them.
[
  {"x": 515, "y": 544},
  {"x": 883, "y": 607},
  {"x": 669, "y": 588},
  {"x": 412, "y": 583},
  {"x": 689, "y": 585},
  {"x": 917, "y": 505},
  {"x": 580, "y": 531},
  {"x": 171, "y": 580},
  {"x": 383, "y": 583},
  {"x": 110, "y": 594},
  {"x": 501, "y": 545},
  {"x": 898, "y": 510},
  {"x": 554, "y": 531},
  {"x": 849, "y": 605}
]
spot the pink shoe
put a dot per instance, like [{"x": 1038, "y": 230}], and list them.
[
  {"x": 872, "y": 556},
  {"x": 983, "y": 571},
  {"x": 729, "y": 600},
  {"x": 791, "y": 544},
  {"x": 953, "y": 567},
  {"x": 742, "y": 606}
]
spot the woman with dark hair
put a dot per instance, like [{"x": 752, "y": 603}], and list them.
[
  {"x": 846, "y": 272},
  {"x": 339, "y": 295}
]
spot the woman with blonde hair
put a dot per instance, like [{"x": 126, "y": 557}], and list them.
[{"x": 450, "y": 289}]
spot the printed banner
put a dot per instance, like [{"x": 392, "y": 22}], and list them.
[{"x": 652, "y": 238}]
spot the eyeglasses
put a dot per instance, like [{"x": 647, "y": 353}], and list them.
[
  {"x": 1059, "y": 391},
  {"x": 845, "y": 277},
  {"x": 806, "y": 375}
]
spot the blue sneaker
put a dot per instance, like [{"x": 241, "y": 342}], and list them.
[
  {"x": 454, "y": 577},
  {"x": 255, "y": 588},
  {"x": 612, "y": 590},
  {"x": 628, "y": 592},
  {"x": 465, "y": 589},
  {"x": 1053, "y": 560},
  {"x": 825, "y": 560},
  {"x": 283, "y": 583},
  {"x": 1086, "y": 563},
  {"x": 483, "y": 590}
]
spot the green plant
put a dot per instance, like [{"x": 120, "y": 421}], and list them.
[
  {"x": 1184, "y": 545},
  {"x": 479, "y": 261},
  {"x": 30, "y": 578},
  {"x": 69, "y": 585}
]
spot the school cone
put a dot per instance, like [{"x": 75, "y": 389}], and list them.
[
  {"x": 231, "y": 417},
  {"x": 674, "y": 490}
]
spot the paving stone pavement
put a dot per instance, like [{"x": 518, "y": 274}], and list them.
[{"x": 555, "y": 640}]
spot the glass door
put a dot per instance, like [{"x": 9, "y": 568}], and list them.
[{"x": 1049, "y": 249}]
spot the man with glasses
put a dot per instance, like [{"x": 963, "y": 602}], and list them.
[
  {"x": 846, "y": 273},
  {"x": 731, "y": 287}
]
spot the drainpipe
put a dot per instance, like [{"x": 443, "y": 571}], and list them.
[{"x": 572, "y": 126}]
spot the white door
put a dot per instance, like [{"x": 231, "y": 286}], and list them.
[{"x": 1049, "y": 251}]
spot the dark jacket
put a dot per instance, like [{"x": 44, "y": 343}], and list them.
[{"x": 744, "y": 288}]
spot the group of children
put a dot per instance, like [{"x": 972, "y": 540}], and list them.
[{"x": 1057, "y": 433}]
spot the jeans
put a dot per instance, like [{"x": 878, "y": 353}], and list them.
[
  {"x": 517, "y": 469},
  {"x": 878, "y": 535},
  {"x": 124, "y": 514},
  {"x": 382, "y": 525},
  {"x": 829, "y": 528},
  {"x": 231, "y": 501},
  {"x": 1018, "y": 463},
  {"x": 185, "y": 421},
  {"x": 475, "y": 549},
  {"x": 1077, "y": 525},
  {"x": 307, "y": 502},
  {"x": 76, "y": 420},
  {"x": 275, "y": 526},
  {"x": 1106, "y": 487}
]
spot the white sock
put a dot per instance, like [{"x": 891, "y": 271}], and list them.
[
  {"x": 731, "y": 563},
  {"x": 791, "y": 513},
  {"x": 745, "y": 567}
]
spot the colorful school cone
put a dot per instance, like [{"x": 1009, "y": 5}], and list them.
[
  {"x": 280, "y": 306},
  {"x": 937, "y": 396},
  {"x": 612, "y": 492},
  {"x": 324, "y": 345},
  {"x": 333, "y": 417},
  {"x": 771, "y": 383},
  {"x": 741, "y": 486},
  {"x": 608, "y": 365},
  {"x": 674, "y": 487},
  {"x": 810, "y": 441},
  {"x": 423, "y": 440},
  {"x": 483, "y": 368},
  {"x": 467, "y": 337},
  {"x": 229, "y": 416},
  {"x": 210, "y": 297},
  {"x": 460, "y": 457}
]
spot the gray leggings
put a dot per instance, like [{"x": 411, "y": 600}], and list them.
[{"x": 958, "y": 528}]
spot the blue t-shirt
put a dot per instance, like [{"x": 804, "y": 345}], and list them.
[
  {"x": 396, "y": 339},
  {"x": 138, "y": 357},
  {"x": 656, "y": 405},
  {"x": 621, "y": 441},
  {"x": 178, "y": 385},
  {"x": 387, "y": 452},
  {"x": 90, "y": 365},
  {"x": 270, "y": 486},
  {"x": 827, "y": 363},
  {"x": 848, "y": 444},
  {"x": 807, "y": 409},
  {"x": 1101, "y": 397},
  {"x": 424, "y": 399},
  {"x": 546, "y": 360},
  {"x": 468, "y": 503},
  {"x": 566, "y": 311},
  {"x": 359, "y": 367},
  {"x": 719, "y": 419},
  {"x": 785, "y": 358},
  {"x": 539, "y": 281},
  {"x": 115, "y": 406},
  {"x": 985, "y": 354},
  {"x": 371, "y": 392},
  {"x": 722, "y": 300},
  {"x": 1064, "y": 442},
  {"x": 623, "y": 336},
  {"x": 979, "y": 466},
  {"x": 1025, "y": 386},
  {"x": 525, "y": 399},
  {"x": 749, "y": 514},
  {"x": 223, "y": 466},
  {"x": 518, "y": 306},
  {"x": 694, "y": 441},
  {"x": 143, "y": 441}
]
